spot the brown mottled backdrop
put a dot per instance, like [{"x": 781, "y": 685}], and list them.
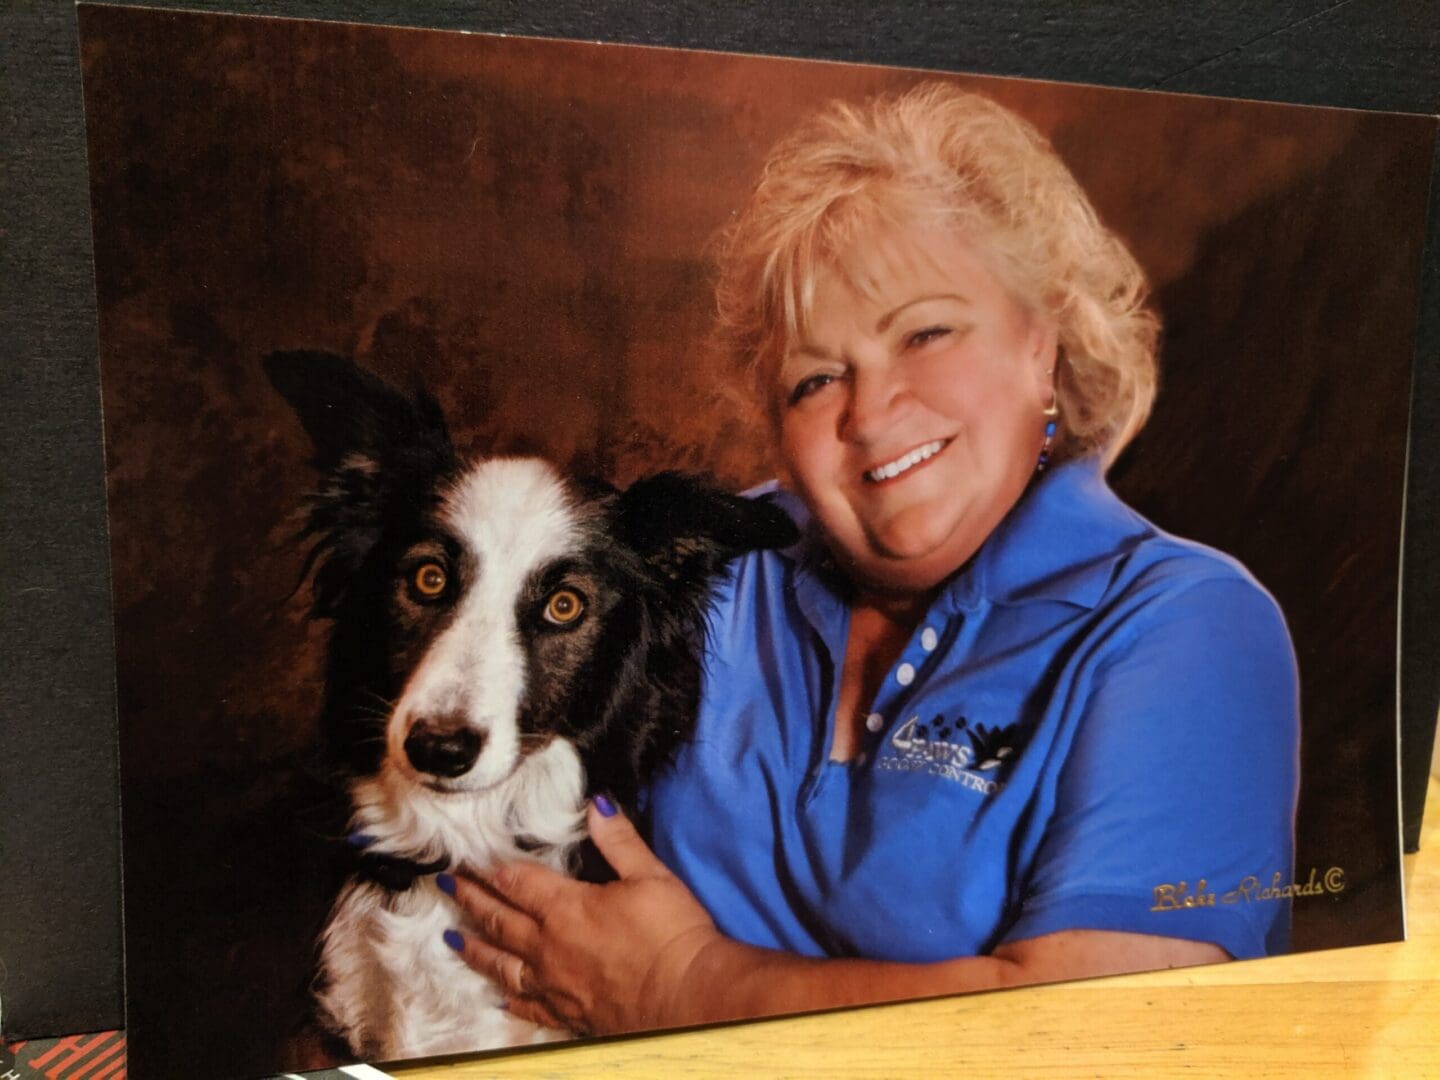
[{"x": 525, "y": 224}]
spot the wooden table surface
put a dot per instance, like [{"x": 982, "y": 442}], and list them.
[{"x": 1368, "y": 1011}]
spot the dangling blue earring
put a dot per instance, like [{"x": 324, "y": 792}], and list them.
[{"x": 1052, "y": 418}]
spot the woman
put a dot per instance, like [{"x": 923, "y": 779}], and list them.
[{"x": 984, "y": 725}]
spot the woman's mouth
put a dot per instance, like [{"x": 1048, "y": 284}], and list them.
[{"x": 905, "y": 462}]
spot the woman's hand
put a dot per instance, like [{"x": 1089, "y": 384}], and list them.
[
  {"x": 593, "y": 959},
  {"x": 642, "y": 953}
]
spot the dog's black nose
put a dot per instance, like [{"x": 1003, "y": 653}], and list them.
[{"x": 442, "y": 750}]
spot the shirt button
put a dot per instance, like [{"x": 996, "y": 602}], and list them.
[
  {"x": 874, "y": 722},
  {"x": 905, "y": 674},
  {"x": 929, "y": 639}
]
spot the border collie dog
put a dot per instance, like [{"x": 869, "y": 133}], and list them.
[{"x": 505, "y": 642}]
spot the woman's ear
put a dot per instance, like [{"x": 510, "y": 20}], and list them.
[{"x": 1044, "y": 360}]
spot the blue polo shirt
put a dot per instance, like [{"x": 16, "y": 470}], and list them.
[{"x": 1095, "y": 726}]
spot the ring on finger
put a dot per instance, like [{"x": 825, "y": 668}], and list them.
[
  {"x": 492, "y": 925},
  {"x": 514, "y": 975}
]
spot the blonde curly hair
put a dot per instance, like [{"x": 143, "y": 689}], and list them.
[{"x": 938, "y": 155}]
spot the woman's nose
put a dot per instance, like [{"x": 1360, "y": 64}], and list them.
[{"x": 878, "y": 398}]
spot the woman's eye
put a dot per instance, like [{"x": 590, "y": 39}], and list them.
[
  {"x": 564, "y": 607},
  {"x": 924, "y": 337},
  {"x": 805, "y": 387},
  {"x": 429, "y": 580}
]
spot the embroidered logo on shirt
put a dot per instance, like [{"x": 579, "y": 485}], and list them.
[{"x": 970, "y": 754}]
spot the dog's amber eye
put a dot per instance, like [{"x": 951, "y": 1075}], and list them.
[
  {"x": 564, "y": 607},
  {"x": 429, "y": 580}
]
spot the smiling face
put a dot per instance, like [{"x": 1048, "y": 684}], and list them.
[{"x": 910, "y": 412}]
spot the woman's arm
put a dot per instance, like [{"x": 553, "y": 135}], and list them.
[
  {"x": 759, "y": 982},
  {"x": 642, "y": 953}
]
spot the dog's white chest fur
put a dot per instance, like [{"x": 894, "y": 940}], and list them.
[
  {"x": 389, "y": 985},
  {"x": 395, "y": 990}
]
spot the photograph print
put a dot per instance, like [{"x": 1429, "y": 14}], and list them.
[{"x": 610, "y": 538}]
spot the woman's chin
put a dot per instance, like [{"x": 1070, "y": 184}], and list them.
[
  {"x": 916, "y": 533},
  {"x": 910, "y": 561}
]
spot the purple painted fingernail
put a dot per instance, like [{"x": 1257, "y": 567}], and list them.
[
  {"x": 454, "y": 940},
  {"x": 605, "y": 806},
  {"x": 359, "y": 839},
  {"x": 445, "y": 882},
  {"x": 503, "y": 1005}
]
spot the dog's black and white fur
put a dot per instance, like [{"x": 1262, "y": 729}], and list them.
[{"x": 504, "y": 642}]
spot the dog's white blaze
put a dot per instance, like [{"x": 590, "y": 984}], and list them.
[{"x": 513, "y": 516}]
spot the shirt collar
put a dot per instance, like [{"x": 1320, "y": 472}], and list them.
[{"x": 1061, "y": 542}]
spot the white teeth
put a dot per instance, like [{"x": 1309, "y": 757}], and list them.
[{"x": 908, "y": 461}]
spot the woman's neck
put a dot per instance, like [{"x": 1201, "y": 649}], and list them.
[
  {"x": 880, "y": 625},
  {"x": 903, "y": 609}
]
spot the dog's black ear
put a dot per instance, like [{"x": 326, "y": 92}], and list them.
[
  {"x": 348, "y": 412},
  {"x": 689, "y": 528},
  {"x": 382, "y": 453}
]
